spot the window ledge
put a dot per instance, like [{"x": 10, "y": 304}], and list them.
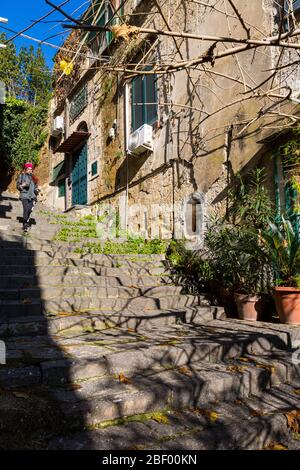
[{"x": 94, "y": 177}]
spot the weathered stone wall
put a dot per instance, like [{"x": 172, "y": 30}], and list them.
[
  {"x": 208, "y": 127},
  {"x": 197, "y": 111}
]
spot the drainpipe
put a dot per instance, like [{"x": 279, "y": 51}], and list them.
[
  {"x": 67, "y": 155},
  {"x": 126, "y": 136},
  {"x": 67, "y": 115},
  {"x": 277, "y": 189},
  {"x": 228, "y": 144}
]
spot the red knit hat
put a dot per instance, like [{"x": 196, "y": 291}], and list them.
[{"x": 28, "y": 165}]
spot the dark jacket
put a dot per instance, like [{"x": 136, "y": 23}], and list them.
[{"x": 31, "y": 190}]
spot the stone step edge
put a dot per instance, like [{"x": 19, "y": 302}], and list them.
[
  {"x": 172, "y": 389},
  {"x": 35, "y": 301}
]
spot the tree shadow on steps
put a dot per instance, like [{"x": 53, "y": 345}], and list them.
[
  {"x": 204, "y": 404},
  {"x": 29, "y": 413}
]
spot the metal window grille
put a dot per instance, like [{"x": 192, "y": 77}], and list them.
[{"x": 78, "y": 104}]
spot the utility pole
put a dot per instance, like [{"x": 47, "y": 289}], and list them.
[
  {"x": 3, "y": 20},
  {"x": 2, "y": 84}
]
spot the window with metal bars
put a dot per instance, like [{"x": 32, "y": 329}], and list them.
[{"x": 78, "y": 103}]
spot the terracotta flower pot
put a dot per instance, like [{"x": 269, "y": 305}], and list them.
[
  {"x": 250, "y": 307},
  {"x": 287, "y": 301}
]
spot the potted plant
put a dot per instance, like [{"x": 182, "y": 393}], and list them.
[
  {"x": 251, "y": 277},
  {"x": 281, "y": 245},
  {"x": 242, "y": 272},
  {"x": 238, "y": 269}
]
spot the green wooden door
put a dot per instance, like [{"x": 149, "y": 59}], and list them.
[{"x": 79, "y": 176}]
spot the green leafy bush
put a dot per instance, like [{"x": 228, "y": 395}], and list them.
[
  {"x": 188, "y": 268},
  {"x": 235, "y": 261},
  {"x": 249, "y": 201},
  {"x": 23, "y": 132},
  {"x": 280, "y": 245}
]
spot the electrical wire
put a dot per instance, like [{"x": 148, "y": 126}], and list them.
[
  {"x": 35, "y": 22},
  {"x": 40, "y": 41},
  {"x": 58, "y": 23}
]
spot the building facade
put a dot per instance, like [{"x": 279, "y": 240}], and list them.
[{"x": 156, "y": 126}]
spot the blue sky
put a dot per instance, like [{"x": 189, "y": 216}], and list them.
[{"x": 21, "y": 13}]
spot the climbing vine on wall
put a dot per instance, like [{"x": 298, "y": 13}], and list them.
[{"x": 63, "y": 83}]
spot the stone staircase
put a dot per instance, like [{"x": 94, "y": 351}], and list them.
[{"x": 105, "y": 352}]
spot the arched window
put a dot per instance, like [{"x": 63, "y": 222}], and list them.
[
  {"x": 193, "y": 216},
  {"x": 82, "y": 127}
]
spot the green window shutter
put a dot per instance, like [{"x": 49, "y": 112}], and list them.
[
  {"x": 94, "y": 168},
  {"x": 99, "y": 22},
  {"x": 290, "y": 205},
  {"x": 61, "y": 188},
  {"x": 58, "y": 170},
  {"x": 277, "y": 189}
]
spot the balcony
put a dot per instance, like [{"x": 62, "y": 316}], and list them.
[{"x": 296, "y": 5}]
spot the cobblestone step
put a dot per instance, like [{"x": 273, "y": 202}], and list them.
[
  {"x": 50, "y": 292},
  {"x": 92, "y": 270},
  {"x": 59, "y": 259},
  {"x": 82, "y": 322},
  {"x": 279, "y": 334},
  {"x": 26, "y": 280},
  {"x": 236, "y": 427},
  {"x": 17, "y": 308},
  {"x": 95, "y": 338}
]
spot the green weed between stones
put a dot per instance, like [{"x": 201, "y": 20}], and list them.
[
  {"x": 129, "y": 246},
  {"x": 158, "y": 416}
]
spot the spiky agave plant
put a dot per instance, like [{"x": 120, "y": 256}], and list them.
[{"x": 280, "y": 243}]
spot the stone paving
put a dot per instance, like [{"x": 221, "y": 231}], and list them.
[{"x": 104, "y": 352}]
